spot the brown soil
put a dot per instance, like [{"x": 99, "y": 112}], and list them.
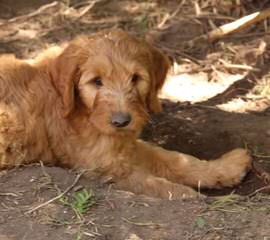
[{"x": 206, "y": 127}]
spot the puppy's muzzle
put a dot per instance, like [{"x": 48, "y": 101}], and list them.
[{"x": 120, "y": 119}]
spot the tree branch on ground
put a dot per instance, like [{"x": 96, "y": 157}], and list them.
[{"x": 231, "y": 27}]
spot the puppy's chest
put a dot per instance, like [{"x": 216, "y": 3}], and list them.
[{"x": 105, "y": 155}]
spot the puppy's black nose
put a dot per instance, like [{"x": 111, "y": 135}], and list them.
[{"x": 120, "y": 119}]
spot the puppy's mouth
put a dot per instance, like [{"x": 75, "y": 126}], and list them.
[{"x": 116, "y": 131}]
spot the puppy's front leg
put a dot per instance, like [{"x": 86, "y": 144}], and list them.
[{"x": 226, "y": 171}]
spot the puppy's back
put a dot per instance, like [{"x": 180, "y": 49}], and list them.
[{"x": 15, "y": 75}]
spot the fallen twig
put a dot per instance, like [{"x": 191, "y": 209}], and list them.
[
  {"x": 87, "y": 9},
  {"x": 168, "y": 16},
  {"x": 261, "y": 173},
  {"x": 210, "y": 16},
  {"x": 262, "y": 189},
  {"x": 8, "y": 194},
  {"x": 238, "y": 66},
  {"x": 143, "y": 224},
  {"x": 58, "y": 196},
  {"x": 179, "y": 53},
  {"x": 33, "y": 14}
]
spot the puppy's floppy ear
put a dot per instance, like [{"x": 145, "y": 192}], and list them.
[
  {"x": 159, "y": 68},
  {"x": 65, "y": 74}
]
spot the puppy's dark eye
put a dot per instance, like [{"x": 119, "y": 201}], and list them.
[
  {"x": 98, "y": 82},
  {"x": 135, "y": 78}
]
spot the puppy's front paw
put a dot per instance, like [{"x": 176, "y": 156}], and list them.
[
  {"x": 233, "y": 167},
  {"x": 162, "y": 188},
  {"x": 179, "y": 191}
]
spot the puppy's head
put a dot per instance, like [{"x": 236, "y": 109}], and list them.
[{"x": 115, "y": 76}]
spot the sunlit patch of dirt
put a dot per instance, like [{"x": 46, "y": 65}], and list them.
[
  {"x": 245, "y": 104},
  {"x": 196, "y": 87}
]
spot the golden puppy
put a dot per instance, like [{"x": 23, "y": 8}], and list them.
[{"x": 84, "y": 105}]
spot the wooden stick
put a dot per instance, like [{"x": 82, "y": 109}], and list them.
[
  {"x": 58, "y": 196},
  {"x": 168, "y": 16},
  {"x": 232, "y": 27},
  {"x": 87, "y": 9},
  {"x": 33, "y": 14},
  {"x": 238, "y": 66}
]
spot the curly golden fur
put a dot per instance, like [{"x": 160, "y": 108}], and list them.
[{"x": 83, "y": 106}]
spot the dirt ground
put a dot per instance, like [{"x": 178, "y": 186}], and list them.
[{"x": 216, "y": 98}]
